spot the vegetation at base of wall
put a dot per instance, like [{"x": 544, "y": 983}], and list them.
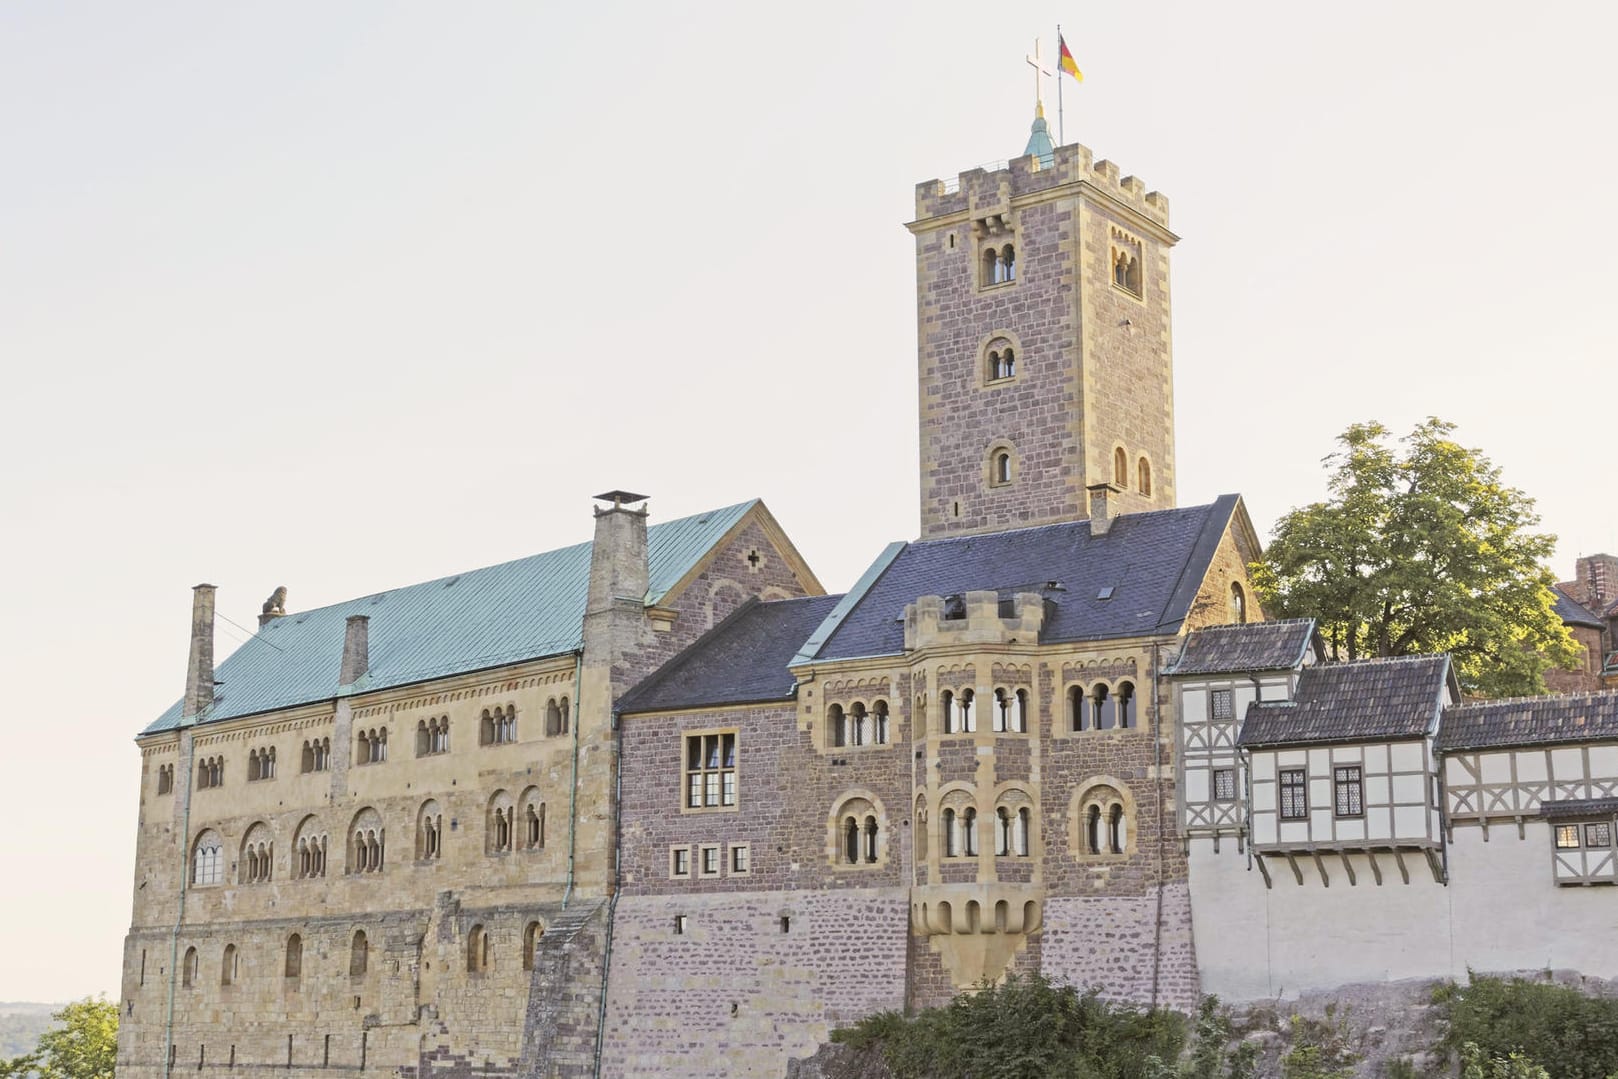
[
  {"x": 1320, "y": 1048},
  {"x": 1028, "y": 1028},
  {"x": 83, "y": 1044},
  {"x": 1421, "y": 550},
  {"x": 1526, "y": 1025}
]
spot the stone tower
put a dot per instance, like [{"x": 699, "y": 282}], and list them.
[{"x": 1042, "y": 296}]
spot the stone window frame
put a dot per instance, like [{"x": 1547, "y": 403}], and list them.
[
  {"x": 531, "y": 820},
  {"x": 1001, "y": 465},
  {"x": 207, "y": 862},
  {"x": 365, "y": 843},
  {"x": 1083, "y": 728},
  {"x": 371, "y": 745},
  {"x": 261, "y": 764},
  {"x": 992, "y": 345},
  {"x": 500, "y": 823},
  {"x": 681, "y": 863},
  {"x": 957, "y": 839},
  {"x": 1024, "y": 698},
  {"x": 1104, "y": 793},
  {"x": 872, "y": 725},
  {"x": 1130, "y": 247},
  {"x": 558, "y": 716},
  {"x": 256, "y": 863},
  {"x": 1144, "y": 477},
  {"x": 432, "y": 736},
  {"x": 953, "y": 721},
  {"x": 165, "y": 779},
  {"x": 429, "y": 832},
  {"x": 872, "y": 849},
  {"x": 532, "y": 934},
  {"x": 746, "y": 863},
  {"x": 1120, "y": 466},
  {"x": 721, "y": 770},
  {"x": 710, "y": 861},
  {"x": 316, "y": 756},
  {"x": 991, "y": 256},
  {"x": 497, "y": 725},
  {"x": 309, "y": 849},
  {"x": 1014, "y": 806},
  {"x": 210, "y": 772}
]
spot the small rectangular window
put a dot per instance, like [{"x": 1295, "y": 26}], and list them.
[
  {"x": 1349, "y": 791},
  {"x": 1598, "y": 835},
  {"x": 680, "y": 862},
  {"x": 1222, "y": 704},
  {"x": 1567, "y": 837},
  {"x": 680, "y": 923},
  {"x": 740, "y": 858},
  {"x": 1294, "y": 794},
  {"x": 1224, "y": 784},
  {"x": 710, "y": 861}
]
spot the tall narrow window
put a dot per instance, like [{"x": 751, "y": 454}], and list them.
[
  {"x": 1125, "y": 704},
  {"x": 1002, "y": 831},
  {"x": 1019, "y": 834},
  {"x": 947, "y": 702},
  {"x": 1348, "y": 790},
  {"x": 478, "y": 951},
  {"x": 870, "y": 839},
  {"x": 359, "y": 955},
  {"x": 710, "y": 770},
  {"x": 1115, "y": 830},
  {"x": 1077, "y": 717},
  {"x": 851, "y": 840},
  {"x": 1120, "y": 467},
  {"x": 1238, "y": 603},
  {"x": 1092, "y": 829},
  {"x": 951, "y": 840},
  {"x": 230, "y": 968},
  {"x": 1294, "y": 794},
  {"x": 1008, "y": 263},
  {"x": 838, "y": 722},
  {"x": 530, "y": 943},
  {"x": 879, "y": 723},
  {"x": 1002, "y": 467},
  {"x": 1102, "y": 708},
  {"x": 294, "y": 959},
  {"x": 969, "y": 720},
  {"x": 188, "y": 972},
  {"x": 1143, "y": 477},
  {"x": 969, "y": 832},
  {"x": 857, "y": 723}
]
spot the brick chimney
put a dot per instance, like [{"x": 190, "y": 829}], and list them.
[
  {"x": 199, "y": 665},
  {"x": 356, "y": 650},
  {"x": 1103, "y": 506}
]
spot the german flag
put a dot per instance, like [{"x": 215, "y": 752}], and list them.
[{"x": 1067, "y": 63}]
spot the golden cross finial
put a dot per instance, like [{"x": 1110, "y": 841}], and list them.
[{"x": 1039, "y": 95}]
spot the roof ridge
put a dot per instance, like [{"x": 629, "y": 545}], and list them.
[
  {"x": 1231, "y": 626},
  {"x": 1063, "y": 524},
  {"x": 500, "y": 565},
  {"x": 1496, "y": 702},
  {"x": 1433, "y": 657}
]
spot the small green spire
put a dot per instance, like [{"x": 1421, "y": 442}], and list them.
[{"x": 1039, "y": 136}]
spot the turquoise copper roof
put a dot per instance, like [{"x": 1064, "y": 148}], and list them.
[
  {"x": 1039, "y": 137},
  {"x": 489, "y": 617}
]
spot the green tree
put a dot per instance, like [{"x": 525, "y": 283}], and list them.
[
  {"x": 84, "y": 1046},
  {"x": 1421, "y": 548}
]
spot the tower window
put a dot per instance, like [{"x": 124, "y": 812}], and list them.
[
  {"x": 1002, "y": 467},
  {"x": 1143, "y": 477},
  {"x": 999, "y": 265},
  {"x": 1238, "y": 604},
  {"x": 1002, "y": 362},
  {"x": 1126, "y": 262},
  {"x": 1120, "y": 467}
]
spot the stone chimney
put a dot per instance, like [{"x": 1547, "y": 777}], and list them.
[
  {"x": 1104, "y": 498},
  {"x": 356, "y": 650},
  {"x": 1598, "y": 573},
  {"x": 199, "y": 665},
  {"x": 618, "y": 571}
]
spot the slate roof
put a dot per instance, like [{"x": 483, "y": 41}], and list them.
[
  {"x": 1364, "y": 701},
  {"x": 1521, "y": 721},
  {"x": 1579, "y": 807},
  {"x": 1153, "y": 562},
  {"x": 489, "y": 617},
  {"x": 742, "y": 660},
  {"x": 1574, "y": 613},
  {"x": 1255, "y": 646}
]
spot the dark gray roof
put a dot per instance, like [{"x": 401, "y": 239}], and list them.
[
  {"x": 1521, "y": 721},
  {"x": 1579, "y": 807},
  {"x": 1255, "y": 646},
  {"x": 1153, "y": 563},
  {"x": 740, "y": 661},
  {"x": 1574, "y": 613},
  {"x": 1368, "y": 700}
]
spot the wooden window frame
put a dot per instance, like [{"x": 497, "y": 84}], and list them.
[
  {"x": 702, "y": 772},
  {"x": 1283, "y": 787},
  {"x": 1353, "y": 787}
]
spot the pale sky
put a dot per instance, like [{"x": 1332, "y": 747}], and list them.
[{"x": 347, "y": 296}]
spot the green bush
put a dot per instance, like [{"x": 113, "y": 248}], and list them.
[
  {"x": 1567, "y": 1034},
  {"x": 1026, "y": 1028}
]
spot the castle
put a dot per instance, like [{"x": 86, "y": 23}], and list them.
[{"x": 655, "y": 804}]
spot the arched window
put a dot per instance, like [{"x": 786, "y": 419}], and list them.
[
  {"x": 567, "y": 717},
  {"x": 1002, "y": 467},
  {"x": 1125, "y": 704},
  {"x": 1238, "y": 603},
  {"x": 533, "y": 820},
  {"x": 207, "y": 862},
  {"x": 367, "y": 842},
  {"x": 920, "y": 829},
  {"x": 553, "y": 718},
  {"x": 947, "y": 702},
  {"x": 309, "y": 850},
  {"x": 870, "y": 838},
  {"x": 1092, "y": 829},
  {"x": 1078, "y": 716},
  {"x": 1102, "y": 711},
  {"x": 359, "y": 955},
  {"x": 1143, "y": 477},
  {"x": 952, "y": 845},
  {"x": 1120, "y": 268},
  {"x": 294, "y": 960},
  {"x": 839, "y": 725},
  {"x": 478, "y": 951},
  {"x": 1008, "y": 263},
  {"x": 1132, "y": 275},
  {"x": 1019, "y": 833},
  {"x": 1002, "y": 831},
  {"x": 429, "y": 832},
  {"x": 252, "y": 765},
  {"x": 969, "y": 832},
  {"x": 858, "y": 733},
  {"x": 851, "y": 840},
  {"x": 230, "y": 968},
  {"x": 963, "y": 705},
  {"x": 530, "y": 943},
  {"x": 188, "y": 971},
  {"x": 500, "y": 828},
  {"x": 1120, "y": 467},
  {"x": 165, "y": 778},
  {"x": 879, "y": 723},
  {"x": 991, "y": 267},
  {"x": 256, "y": 864},
  {"x": 1115, "y": 830}
]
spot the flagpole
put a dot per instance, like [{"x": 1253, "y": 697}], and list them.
[{"x": 1061, "y": 134}]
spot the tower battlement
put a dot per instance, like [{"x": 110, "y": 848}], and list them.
[{"x": 996, "y": 184}]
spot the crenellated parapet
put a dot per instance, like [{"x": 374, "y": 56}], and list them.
[
  {"x": 974, "y": 618},
  {"x": 984, "y": 192}
]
